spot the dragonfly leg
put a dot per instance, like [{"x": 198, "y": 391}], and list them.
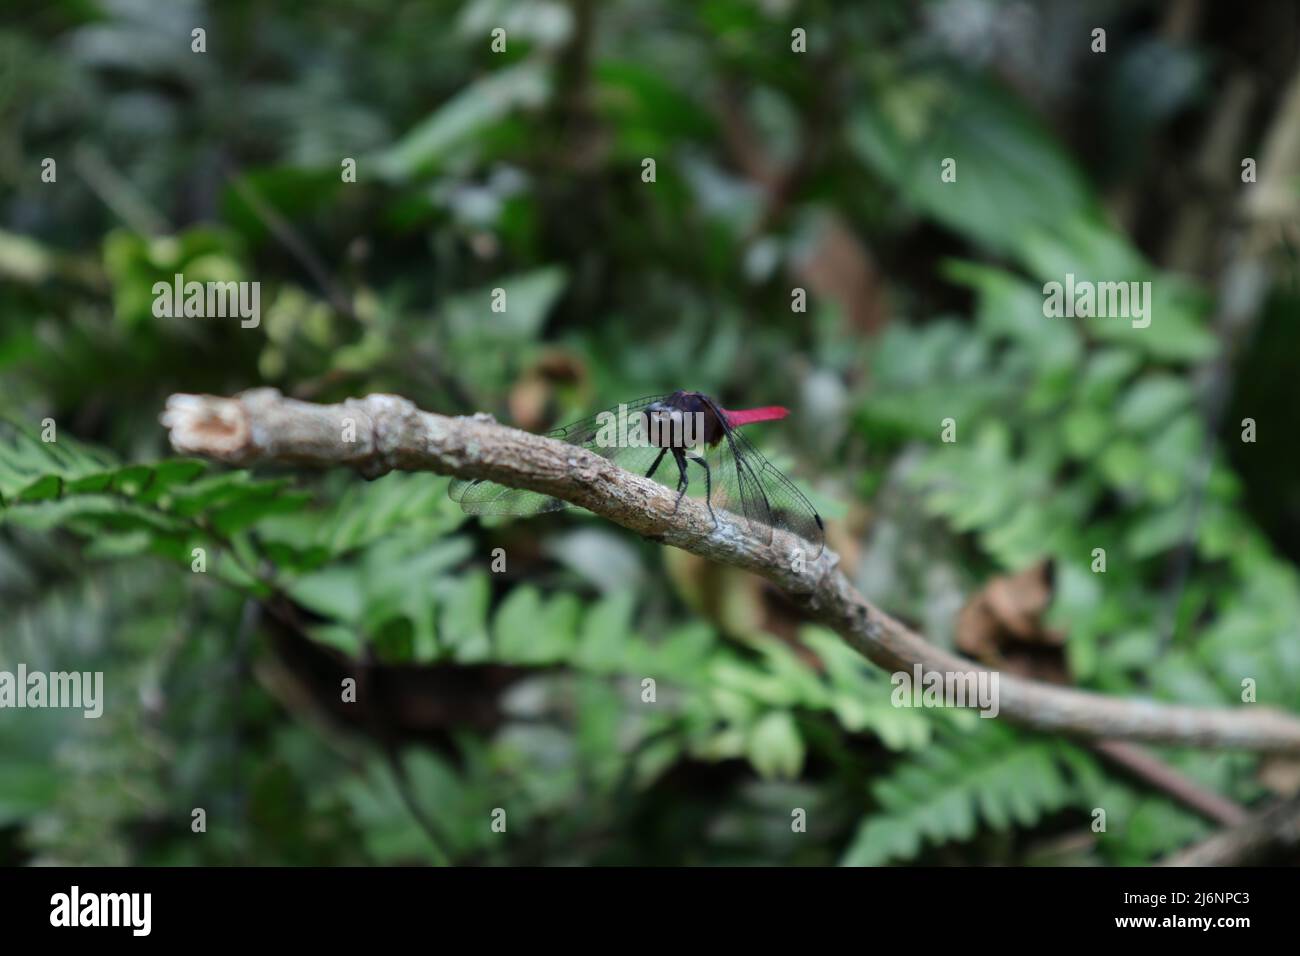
[
  {"x": 708, "y": 486},
  {"x": 682, "y": 480},
  {"x": 655, "y": 466}
]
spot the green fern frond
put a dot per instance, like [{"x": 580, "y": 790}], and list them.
[{"x": 993, "y": 775}]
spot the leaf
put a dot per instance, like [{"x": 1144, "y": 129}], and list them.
[
  {"x": 466, "y": 115},
  {"x": 413, "y": 504},
  {"x": 1011, "y": 176},
  {"x": 775, "y": 747},
  {"x": 528, "y": 630},
  {"x": 1152, "y": 403},
  {"x": 333, "y": 592},
  {"x": 991, "y": 774},
  {"x": 647, "y": 113},
  {"x": 525, "y": 299},
  {"x": 607, "y": 632},
  {"x": 463, "y": 625},
  {"x": 256, "y": 502}
]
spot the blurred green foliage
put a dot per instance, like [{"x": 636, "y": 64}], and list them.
[{"x": 522, "y": 171}]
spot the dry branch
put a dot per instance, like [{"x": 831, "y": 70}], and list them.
[
  {"x": 1273, "y": 830},
  {"x": 392, "y": 434}
]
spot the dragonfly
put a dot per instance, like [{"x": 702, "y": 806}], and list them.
[{"x": 693, "y": 429}]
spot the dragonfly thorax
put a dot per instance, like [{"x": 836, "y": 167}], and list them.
[{"x": 682, "y": 420}]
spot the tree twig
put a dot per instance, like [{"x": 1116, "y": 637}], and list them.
[
  {"x": 390, "y": 433},
  {"x": 1146, "y": 766},
  {"x": 1275, "y": 828}
]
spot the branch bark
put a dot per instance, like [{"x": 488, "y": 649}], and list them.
[
  {"x": 1150, "y": 769},
  {"x": 392, "y": 434},
  {"x": 1276, "y": 829}
]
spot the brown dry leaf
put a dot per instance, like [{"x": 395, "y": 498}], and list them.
[
  {"x": 977, "y": 630},
  {"x": 528, "y": 400},
  {"x": 1020, "y": 600},
  {"x": 1002, "y": 625},
  {"x": 533, "y": 394}
]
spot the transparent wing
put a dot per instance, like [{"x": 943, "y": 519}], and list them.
[
  {"x": 749, "y": 484},
  {"x": 480, "y": 497},
  {"x": 585, "y": 431}
]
